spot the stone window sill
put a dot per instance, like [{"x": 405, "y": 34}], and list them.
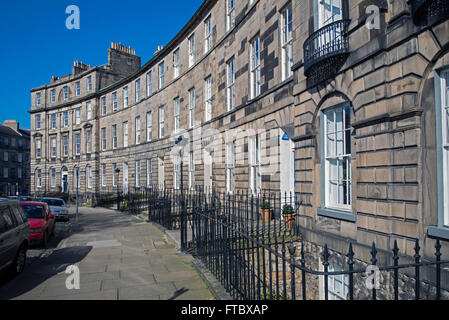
[
  {"x": 438, "y": 232},
  {"x": 336, "y": 214}
]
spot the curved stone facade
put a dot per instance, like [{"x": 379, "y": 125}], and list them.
[{"x": 385, "y": 88}]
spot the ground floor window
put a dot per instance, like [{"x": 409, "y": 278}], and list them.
[
  {"x": 442, "y": 113},
  {"x": 337, "y": 157},
  {"x": 38, "y": 178},
  {"x": 53, "y": 177}
]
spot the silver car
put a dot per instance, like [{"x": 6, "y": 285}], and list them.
[
  {"x": 58, "y": 207},
  {"x": 14, "y": 236}
]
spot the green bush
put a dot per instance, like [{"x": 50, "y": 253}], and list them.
[
  {"x": 265, "y": 205},
  {"x": 288, "y": 209}
]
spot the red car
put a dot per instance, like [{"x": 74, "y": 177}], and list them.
[{"x": 42, "y": 221}]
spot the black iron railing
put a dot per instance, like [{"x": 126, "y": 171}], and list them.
[
  {"x": 429, "y": 12},
  {"x": 254, "y": 246},
  {"x": 325, "y": 43}
]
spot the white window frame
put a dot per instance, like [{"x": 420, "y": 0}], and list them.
[
  {"x": 114, "y": 136},
  {"x": 103, "y": 139},
  {"x": 125, "y": 98},
  {"x": 323, "y": 18},
  {"x": 338, "y": 285},
  {"x": 88, "y": 141},
  {"x": 38, "y": 148},
  {"x": 340, "y": 157},
  {"x": 255, "y": 164},
  {"x": 103, "y": 175},
  {"x": 38, "y": 178},
  {"x": 149, "y": 173},
  {"x": 77, "y": 115},
  {"x": 103, "y": 106},
  {"x": 161, "y": 122},
  {"x": 38, "y": 122},
  {"x": 66, "y": 93},
  {"x": 176, "y": 171},
  {"x": 53, "y": 121},
  {"x": 149, "y": 126},
  {"x": 191, "y": 170},
  {"x": 77, "y": 88},
  {"x": 287, "y": 42},
  {"x": 191, "y": 108},
  {"x": 191, "y": 50},
  {"x": 38, "y": 98},
  {"x": 255, "y": 67},
  {"x": 5, "y": 156},
  {"x": 442, "y": 132},
  {"x": 149, "y": 83},
  {"x": 89, "y": 83},
  {"x": 176, "y": 64},
  {"x": 208, "y": 98},
  {"x": 138, "y": 128},
  {"x": 230, "y": 14},
  {"x": 114, "y": 101},
  {"x": 207, "y": 34},
  {"x": 19, "y": 157},
  {"x": 230, "y": 84},
  {"x": 230, "y": 167},
  {"x": 53, "y": 147},
  {"x": 53, "y": 177},
  {"x": 89, "y": 110},
  {"x": 176, "y": 110},
  {"x": 65, "y": 145},
  {"x": 137, "y": 93},
  {"x": 77, "y": 143},
  {"x": 53, "y": 96},
  {"x": 125, "y": 134},
  {"x": 161, "y": 75},
  {"x": 114, "y": 180},
  {"x": 138, "y": 173},
  {"x": 89, "y": 177},
  {"x": 66, "y": 119}
]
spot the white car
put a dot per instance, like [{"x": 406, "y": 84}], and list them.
[{"x": 58, "y": 207}]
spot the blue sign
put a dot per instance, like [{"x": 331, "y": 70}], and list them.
[{"x": 285, "y": 137}]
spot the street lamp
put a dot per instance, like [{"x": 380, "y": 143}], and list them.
[
  {"x": 181, "y": 142},
  {"x": 117, "y": 171}
]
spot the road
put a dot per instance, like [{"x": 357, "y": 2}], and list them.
[{"x": 119, "y": 257}]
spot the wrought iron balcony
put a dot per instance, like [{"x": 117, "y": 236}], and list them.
[
  {"x": 429, "y": 12},
  {"x": 326, "y": 48}
]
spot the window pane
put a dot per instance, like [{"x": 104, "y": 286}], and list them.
[
  {"x": 331, "y": 145},
  {"x": 330, "y": 120}
]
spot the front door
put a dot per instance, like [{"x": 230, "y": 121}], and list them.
[
  {"x": 125, "y": 178},
  {"x": 65, "y": 182}
]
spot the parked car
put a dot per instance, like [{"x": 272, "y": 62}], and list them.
[
  {"x": 25, "y": 198},
  {"x": 42, "y": 221},
  {"x": 58, "y": 207},
  {"x": 14, "y": 236}
]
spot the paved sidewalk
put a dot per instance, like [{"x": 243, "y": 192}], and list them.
[{"x": 119, "y": 257}]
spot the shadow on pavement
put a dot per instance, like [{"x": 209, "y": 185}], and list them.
[{"x": 40, "y": 271}]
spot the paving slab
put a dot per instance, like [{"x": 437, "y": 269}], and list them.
[{"x": 118, "y": 257}]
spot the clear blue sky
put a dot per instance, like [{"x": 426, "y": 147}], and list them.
[{"x": 36, "y": 43}]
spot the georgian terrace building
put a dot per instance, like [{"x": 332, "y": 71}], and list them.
[{"x": 343, "y": 102}]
